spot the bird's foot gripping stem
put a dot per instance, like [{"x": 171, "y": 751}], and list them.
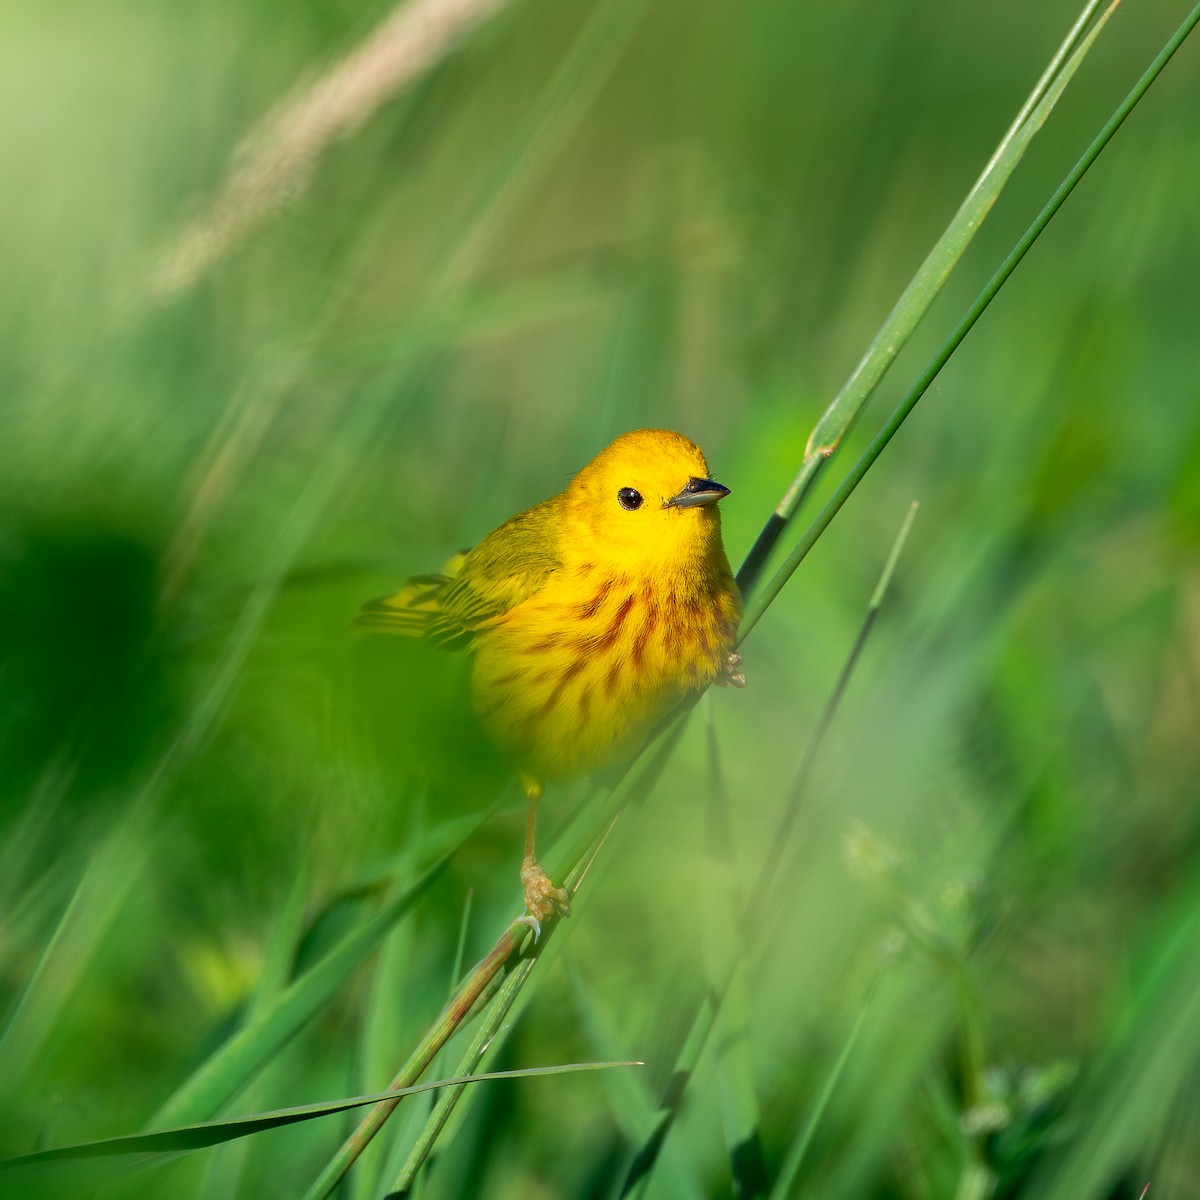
[
  {"x": 731, "y": 671},
  {"x": 542, "y": 898}
]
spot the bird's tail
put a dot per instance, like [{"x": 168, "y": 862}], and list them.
[{"x": 413, "y": 611}]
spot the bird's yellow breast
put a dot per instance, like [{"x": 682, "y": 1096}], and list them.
[{"x": 576, "y": 677}]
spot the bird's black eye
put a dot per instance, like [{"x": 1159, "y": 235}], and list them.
[{"x": 629, "y": 498}]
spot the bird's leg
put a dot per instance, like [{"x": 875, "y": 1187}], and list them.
[
  {"x": 541, "y": 896},
  {"x": 731, "y": 673}
]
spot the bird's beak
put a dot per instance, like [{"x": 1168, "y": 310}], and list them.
[{"x": 697, "y": 492}]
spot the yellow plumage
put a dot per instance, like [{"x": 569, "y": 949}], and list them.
[{"x": 590, "y": 615}]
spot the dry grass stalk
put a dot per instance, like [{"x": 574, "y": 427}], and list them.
[{"x": 276, "y": 160}]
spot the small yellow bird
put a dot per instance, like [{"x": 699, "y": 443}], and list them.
[{"x": 589, "y": 617}]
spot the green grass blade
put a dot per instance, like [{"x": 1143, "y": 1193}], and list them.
[
  {"x": 763, "y": 599},
  {"x": 203, "y": 1134},
  {"x": 793, "y": 1160},
  {"x": 226, "y": 1166},
  {"x": 916, "y": 298},
  {"x": 463, "y": 1004},
  {"x": 637, "y": 1111},
  {"x": 403, "y": 1137},
  {"x": 723, "y": 902},
  {"x": 483, "y": 1041},
  {"x": 653, "y": 1150},
  {"x": 279, "y": 962},
  {"x": 1047, "y": 78},
  {"x": 381, "y": 1040}
]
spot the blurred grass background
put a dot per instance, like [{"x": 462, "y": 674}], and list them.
[{"x": 199, "y": 492}]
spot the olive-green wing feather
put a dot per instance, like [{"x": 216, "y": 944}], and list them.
[
  {"x": 507, "y": 567},
  {"x": 413, "y": 609}
]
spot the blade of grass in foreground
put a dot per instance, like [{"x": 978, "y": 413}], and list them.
[
  {"x": 456, "y": 1012},
  {"x": 914, "y": 302},
  {"x": 363, "y": 1184},
  {"x": 382, "y": 1012},
  {"x": 227, "y": 1165},
  {"x": 763, "y": 600},
  {"x": 213, "y": 1133},
  {"x": 448, "y": 1100}
]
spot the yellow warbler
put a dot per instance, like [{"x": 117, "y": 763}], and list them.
[{"x": 589, "y": 616}]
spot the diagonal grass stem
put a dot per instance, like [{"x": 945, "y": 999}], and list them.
[
  {"x": 763, "y": 600},
  {"x": 846, "y": 407}
]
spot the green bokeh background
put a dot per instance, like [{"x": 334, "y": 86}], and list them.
[{"x": 198, "y": 492}]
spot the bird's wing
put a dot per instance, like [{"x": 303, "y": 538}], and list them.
[
  {"x": 507, "y": 567},
  {"x": 476, "y": 586},
  {"x": 412, "y": 610}
]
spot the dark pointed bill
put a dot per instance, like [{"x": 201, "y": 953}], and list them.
[{"x": 697, "y": 492}]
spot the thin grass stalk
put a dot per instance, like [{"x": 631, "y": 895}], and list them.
[
  {"x": 452, "y": 1016},
  {"x": 226, "y": 1166},
  {"x": 641, "y": 1167},
  {"x": 774, "y": 586},
  {"x": 793, "y": 1160},
  {"x": 58, "y": 975},
  {"x": 723, "y": 905},
  {"x": 380, "y": 1040},
  {"x": 276, "y": 160},
  {"x": 464, "y": 1005},
  {"x": 846, "y": 407},
  {"x": 635, "y": 1103},
  {"x": 977, "y": 1176},
  {"x": 626, "y": 788},
  {"x": 401, "y": 1135},
  {"x": 449, "y": 1097}
]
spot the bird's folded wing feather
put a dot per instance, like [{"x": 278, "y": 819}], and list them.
[{"x": 475, "y": 587}]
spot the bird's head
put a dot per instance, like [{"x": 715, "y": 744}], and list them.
[{"x": 646, "y": 501}]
